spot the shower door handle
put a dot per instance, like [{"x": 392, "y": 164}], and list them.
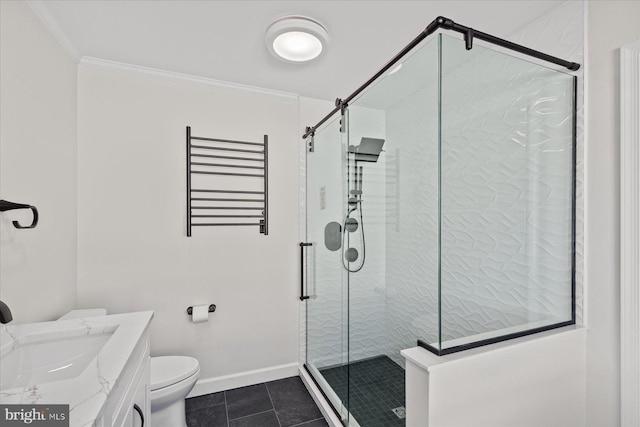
[{"x": 302, "y": 246}]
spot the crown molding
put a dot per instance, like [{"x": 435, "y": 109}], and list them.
[
  {"x": 87, "y": 61},
  {"x": 41, "y": 12}
]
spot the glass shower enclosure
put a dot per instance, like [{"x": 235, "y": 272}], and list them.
[{"x": 440, "y": 211}]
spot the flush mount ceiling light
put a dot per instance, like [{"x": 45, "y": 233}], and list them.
[{"x": 296, "y": 38}]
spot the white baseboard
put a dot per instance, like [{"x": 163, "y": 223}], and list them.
[{"x": 242, "y": 379}]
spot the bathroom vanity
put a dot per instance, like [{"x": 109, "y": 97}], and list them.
[{"x": 99, "y": 366}]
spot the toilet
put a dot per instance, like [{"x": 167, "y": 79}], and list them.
[{"x": 172, "y": 378}]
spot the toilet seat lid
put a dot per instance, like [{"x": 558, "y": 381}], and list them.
[{"x": 168, "y": 370}]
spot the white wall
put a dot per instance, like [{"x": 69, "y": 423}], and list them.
[
  {"x": 37, "y": 166},
  {"x": 132, "y": 246},
  {"x": 611, "y": 24}
]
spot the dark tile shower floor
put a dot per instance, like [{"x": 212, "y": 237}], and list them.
[
  {"x": 376, "y": 387},
  {"x": 280, "y": 403}
]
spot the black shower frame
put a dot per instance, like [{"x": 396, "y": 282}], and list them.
[
  {"x": 447, "y": 24},
  {"x": 469, "y": 34}
]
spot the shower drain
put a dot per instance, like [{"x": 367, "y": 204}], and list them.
[{"x": 400, "y": 412}]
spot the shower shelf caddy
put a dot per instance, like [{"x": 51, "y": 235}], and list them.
[{"x": 237, "y": 198}]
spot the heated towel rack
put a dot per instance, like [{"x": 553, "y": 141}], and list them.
[{"x": 227, "y": 183}]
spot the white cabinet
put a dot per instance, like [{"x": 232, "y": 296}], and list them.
[
  {"x": 139, "y": 411},
  {"x": 129, "y": 403}
]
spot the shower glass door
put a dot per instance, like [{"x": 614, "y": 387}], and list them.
[
  {"x": 442, "y": 215},
  {"x": 327, "y": 341}
]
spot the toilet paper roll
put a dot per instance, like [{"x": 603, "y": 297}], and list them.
[{"x": 200, "y": 313}]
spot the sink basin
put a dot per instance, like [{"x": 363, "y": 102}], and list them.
[{"x": 39, "y": 358}]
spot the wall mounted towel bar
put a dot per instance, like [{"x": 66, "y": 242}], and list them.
[{"x": 9, "y": 206}]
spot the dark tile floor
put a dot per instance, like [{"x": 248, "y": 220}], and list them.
[
  {"x": 281, "y": 403},
  {"x": 376, "y": 386}
]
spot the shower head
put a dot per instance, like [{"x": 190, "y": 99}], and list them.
[{"x": 369, "y": 149}]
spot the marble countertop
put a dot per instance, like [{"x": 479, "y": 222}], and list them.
[{"x": 87, "y": 392}]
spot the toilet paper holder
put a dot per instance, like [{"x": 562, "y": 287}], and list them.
[{"x": 212, "y": 308}]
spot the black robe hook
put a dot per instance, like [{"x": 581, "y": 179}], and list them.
[{"x": 8, "y": 206}]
